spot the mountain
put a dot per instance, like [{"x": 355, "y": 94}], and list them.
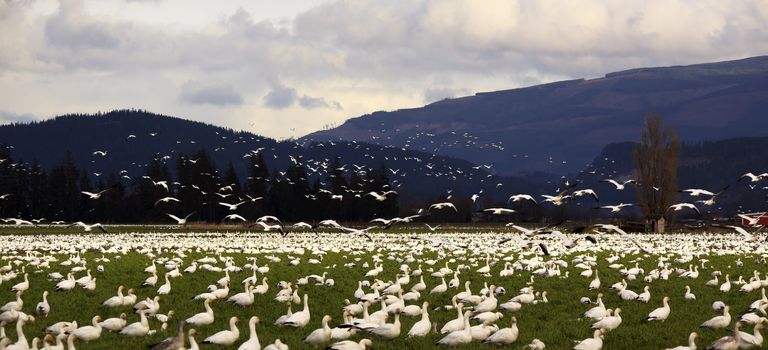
[
  {"x": 711, "y": 165},
  {"x": 558, "y": 127},
  {"x": 133, "y": 138}
]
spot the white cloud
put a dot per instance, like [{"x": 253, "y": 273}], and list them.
[{"x": 366, "y": 55}]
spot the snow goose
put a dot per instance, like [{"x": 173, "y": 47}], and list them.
[
  {"x": 14, "y": 305},
  {"x": 253, "y": 342},
  {"x": 321, "y": 335},
  {"x": 594, "y": 343},
  {"x": 61, "y": 327},
  {"x": 21, "y": 343},
  {"x": 245, "y": 298},
  {"x": 88, "y": 333},
  {"x": 726, "y": 286},
  {"x": 660, "y": 314},
  {"x": 166, "y": 287},
  {"x": 483, "y": 330},
  {"x": 129, "y": 299},
  {"x": 504, "y": 336},
  {"x": 225, "y": 337},
  {"x": 422, "y": 327},
  {"x": 203, "y": 318},
  {"x": 192, "y": 342},
  {"x": 609, "y": 323},
  {"x": 688, "y": 294},
  {"x": 21, "y": 286},
  {"x": 117, "y": 300},
  {"x": 43, "y": 308},
  {"x": 350, "y": 345},
  {"x": 67, "y": 284},
  {"x": 299, "y": 319},
  {"x": 461, "y": 336},
  {"x": 137, "y": 329},
  {"x": 645, "y": 296},
  {"x": 718, "y": 322},
  {"x": 455, "y": 324},
  {"x": 114, "y": 324}
]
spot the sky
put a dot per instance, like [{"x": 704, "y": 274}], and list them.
[{"x": 287, "y": 68}]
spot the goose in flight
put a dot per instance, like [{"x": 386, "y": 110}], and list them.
[
  {"x": 358, "y": 232},
  {"x": 232, "y": 207},
  {"x": 748, "y": 237},
  {"x": 615, "y": 208},
  {"x": 522, "y": 197},
  {"x": 532, "y": 232},
  {"x": 752, "y": 177},
  {"x": 266, "y": 218},
  {"x": 499, "y": 211},
  {"x": 163, "y": 184},
  {"x": 432, "y": 228},
  {"x": 752, "y": 221},
  {"x": 267, "y": 227},
  {"x": 166, "y": 200},
  {"x": 620, "y": 186},
  {"x": 681, "y": 206},
  {"x": 443, "y": 206},
  {"x": 560, "y": 198},
  {"x": 234, "y": 217},
  {"x": 586, "y": 192},
  {"x": 380, "y": 197},
  {"x": 100, "y": 153},
  {"x": 19, "y": 222},
  {"x": 180, "y": 221},
  {"x": 89, "y": 228},
  {"x": 96, "y": 195}
]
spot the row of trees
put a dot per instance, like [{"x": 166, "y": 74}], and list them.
[{"x": 291, "y": 195}]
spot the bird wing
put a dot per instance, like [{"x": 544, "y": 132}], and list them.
[{"x": 175, "y": 217}]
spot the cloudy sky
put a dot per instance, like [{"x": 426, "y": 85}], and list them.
[{"x": 285, "y": 68}]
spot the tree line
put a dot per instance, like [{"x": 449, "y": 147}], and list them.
[{"x": 290, "y": 194}]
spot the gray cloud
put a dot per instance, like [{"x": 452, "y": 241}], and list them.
[
  {"x": 194, "y": 92},
  {"x": 280, "y": 97},
  {"x": 308, "y": 102},
  {"x": 72, "y": 30},
  {"x": 440, "y": 93}
]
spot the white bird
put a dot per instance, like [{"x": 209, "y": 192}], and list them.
[
  {"x": 232, "y": 207},
  {"x": 443, "y": 206},
  {"x": 166, "y": 200},
  {"x": 594, "y": 343},
  {"x": 423, "y": 326},
  {"x": 350, "y": 345},
  {"x": 718, "y": 322},
  {"x": 619, "y": 186},
  {"x": 253, "y": 341},
  {"x": 299, "y": 319},
  {"x": 203, "y": 318},
  {"x": 225, "y": 337},
  {"x": 180, "y": 221},
  {"x": 43, "y": 308},
  {"x": 88, "y": 333},
  {"x": 660, "y": 314},
  {"x": 504, "y": 336},
  {"x": 234, "y": 217},
  {"x": 89, "y": 228},
  {"x": 520, "y": 197},
  {"x": 499, "y": 211},
  {"x": 321, "y": 335},
  {"x": 96, "y": 195},
  {"x": 681, "y": 206},
  {"x": 115, "y": 324},
  {"x": 460, "y": 336},
  {"x": 616, "y": 208},
  {"x": 137, "y": 329}
]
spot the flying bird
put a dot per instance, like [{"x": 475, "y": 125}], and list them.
[
  {"x": 89, "y": 228},
  {"x": 180, "y": 221},
  {"x": 166, "y": 200},
  {"x": 620, "y": 186},
  {"x": 232, "y": 207},
  {"x": 681, "y": 206}
]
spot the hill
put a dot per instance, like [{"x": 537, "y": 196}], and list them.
[
  {"x": 559, "y": 127},
  {"x": 132, "y": 139}
]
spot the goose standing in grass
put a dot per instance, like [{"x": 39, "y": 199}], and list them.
[
  {"x": 43, "y": 308},
  {"x": 137, "y": 329},
  {"x": 225, "y": 337},
  {"x": 115, "y": 324},
  {"x": 504, "y": 336},
  {"x": 691, "y": 343},
  {"x": 14, "y": 305},
  {"x": 166, "y": 287},
  {"x": 253, "y": 341},
  {"x": 730, "y": 342},
  {"x": 350, "y": 345},
  {"x": 299, "y": 319},
  {"x": 460, "y": 336},
  {"x": 192, "y": 342},
  {"x": 21, "y": 286},
  {"x": 321, "y": 335},
  {"x": 726, "y": 286},
  {"x": 245, "y": 298},
  {"x": 422, "y": 327},
  {"x": 88, "y": 333},
  {"x": 609, "y": 323},
  {"x": 277, "y": 345},
  {"x": 594, "y": 343},
  {"x": 718, "y": 322},
  {"x": 117, "y": 300},
  {"x": 388, "y": 331},
  {"x": 172, "y": 343},
  {"x": 203, "y": 318},
  {"x": 455, "y": 324},
  {"x": 660, "y": 314},
  {"x": 21, "y": 343},
  {"x": 688, "y": 294}
]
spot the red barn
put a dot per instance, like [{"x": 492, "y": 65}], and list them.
[{"x": 762, "y": 219}]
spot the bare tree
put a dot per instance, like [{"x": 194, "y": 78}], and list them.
[{"x": 656, "y": 160}]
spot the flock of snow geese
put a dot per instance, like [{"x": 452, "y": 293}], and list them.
[{"x": 420, "y": 263}]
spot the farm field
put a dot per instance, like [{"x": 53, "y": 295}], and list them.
[{"x": 553, "y": 315}]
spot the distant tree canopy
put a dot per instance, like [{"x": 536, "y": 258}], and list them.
[
  {"x": 656, "y": 161},
  {"x": 199, "y": 186}
]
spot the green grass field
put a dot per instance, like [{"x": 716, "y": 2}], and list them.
[{"x": 556, "y": 323}]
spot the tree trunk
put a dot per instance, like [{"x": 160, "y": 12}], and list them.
[{"x": 659, "y": 225}]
